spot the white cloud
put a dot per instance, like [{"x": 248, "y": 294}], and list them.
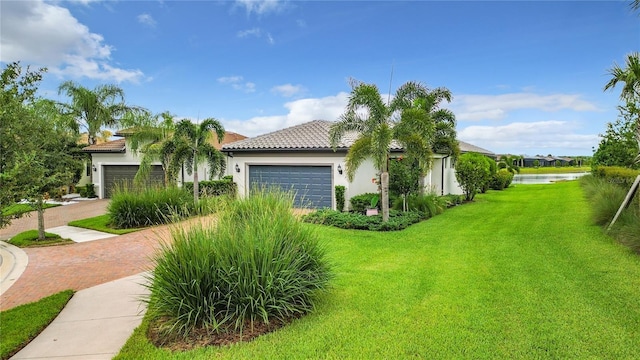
[
  {"x": 146, "y": 19},
  {"x": 250, "y": 32},
  {"x": 261, "y": 7},
  {"x": 48, "y": 35},
  {"x": 256, "y": 32},
  {"x": 288, "y": 90},
  {"x": 496, "y": 107},
  {"x": 531, "y": 138},
  {"x": 237, "y": 82},
  {"x": 299, "y": 111}
]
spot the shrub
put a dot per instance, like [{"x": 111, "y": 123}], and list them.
[
  {"x": 145, "y": 206},
  {"x": 616, "y": 174},
  {"x": 501, "y": 179},
  {"x": 605, "y": 198},
  {"x": 87, "y": 191},
  {"x": 472, "y": 173},
  {"x": 213, "y": 188},
  {"x": 397, "y": 220},
  {"x": 453, "y": 200},
  {"x": 428, "y": 204},
  {"x": 258, "y": 264},
  {"x": 340, "y": 189},
  {"x": 360, "y": 203}
]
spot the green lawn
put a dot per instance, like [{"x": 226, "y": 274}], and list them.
[
  {"x": 29, "y": 238},
  {"x": 17, "y": 209},
  {"x": 517, "y": 274},
  {"x": 23, "y": 323},
  {"x": 555, "y": 170},
  {"x": 100, "y": 223}
]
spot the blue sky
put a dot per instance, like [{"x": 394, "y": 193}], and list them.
[{"x": 526, "y": 77}]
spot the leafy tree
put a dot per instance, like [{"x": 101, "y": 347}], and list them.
[
  {"x": 190, "y": 145},
  {"x": 93, "y": 109},
  {"x": 148, "y": 136},
  {"x": 472, "y": 172},
  {"x": 371, "y": 118},
  {"x": 618, "y": 147},
  {"x": 404, "y": 178},
  {"x": 18, "y": 90}
]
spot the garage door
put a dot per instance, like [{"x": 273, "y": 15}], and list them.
[
  {"x": 311, "y": 184},
  {"x": 114, "y": 174}
]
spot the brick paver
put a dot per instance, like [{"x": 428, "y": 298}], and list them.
[{"x": 81, "y": 265}]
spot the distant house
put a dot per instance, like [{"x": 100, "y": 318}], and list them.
[
  {"x": 113, "y": 162},
  {"x": 300, "y": 158}
]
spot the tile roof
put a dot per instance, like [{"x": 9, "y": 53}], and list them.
[
  {"x": 466, "y": 147},
  {"x": 117, "y": 146},
  {"x": 313, "y": 135}
]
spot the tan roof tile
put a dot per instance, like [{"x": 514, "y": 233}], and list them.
[{"x": 110, "y": 146}]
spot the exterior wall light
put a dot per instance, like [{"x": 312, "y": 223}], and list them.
[
  {"x": 237, "y": 168},
  {"x": 339, "y": 169},
  {"x": 94, "y": 168}
]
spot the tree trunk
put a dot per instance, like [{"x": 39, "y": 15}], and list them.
[
  {"x": 384, "y": 180},
  {"x": 40, "y": 209},
  {"x": 196, "y": 186}
]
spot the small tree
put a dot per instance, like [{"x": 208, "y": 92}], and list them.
[
  {"x": 404, "y": 179},
  {"x": 472, "y": 172}
]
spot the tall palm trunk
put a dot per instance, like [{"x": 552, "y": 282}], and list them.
[
  {"x": 196, "y": 185},
  {"x": 384, "y": 181}
]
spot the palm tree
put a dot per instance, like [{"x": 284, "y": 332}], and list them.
[
  {"x": 630, "y": 76},
  {"x": 426, "y": 128},
  {"x": 190, "y": 145},
  {"x": 371, "y": 118},
  {"x": 96, "y": 108},
  {"x": 148, "y": 137}
]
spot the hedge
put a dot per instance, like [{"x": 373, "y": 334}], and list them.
[{"x": 214, "y": 187}]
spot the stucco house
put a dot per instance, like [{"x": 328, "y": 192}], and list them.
[
  {"x": 113, "y": 161},
  {"x": 301, "y": 158}
]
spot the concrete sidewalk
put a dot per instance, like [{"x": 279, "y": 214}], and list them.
[
  {"x": 13, "y": 262},
  {"x": 79, "y": 234},
  {"x": 95, "y": 324}
]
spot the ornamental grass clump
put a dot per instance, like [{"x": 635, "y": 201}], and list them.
[
  {"x": 134, "y": 207},
  {"x": 257, "y": 265}
]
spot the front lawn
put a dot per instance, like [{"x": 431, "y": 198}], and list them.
[
  {"x": 516, "y": 274},
  {"x": 23, "y": 323},
  {"x": 18, "y": 209},
  {"x": 29, "y": 238},
  {"x": 101, "y": 223}
]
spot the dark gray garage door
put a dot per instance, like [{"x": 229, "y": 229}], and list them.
[
  {"x": 311, "y": 184},
  {"x": 125, "y": 173}
]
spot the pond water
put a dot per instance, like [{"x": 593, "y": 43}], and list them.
[{"x": 544, "y": 178}]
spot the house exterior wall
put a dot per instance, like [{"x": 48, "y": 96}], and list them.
[
  {"x": 362, "y": 182},
  {"x": 128, "y": 158}
]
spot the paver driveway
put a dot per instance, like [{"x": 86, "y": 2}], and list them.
[{"x": 82, "y": 265}]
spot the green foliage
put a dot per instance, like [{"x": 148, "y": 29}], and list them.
[
  {"x": 616, "y": 174},
  {"x": 501, "y": 179},
  {"x": 451, "y": 200},
  {"x": 360, "y": 203},
  {"x": 23, "y": 323},
  {"x": 214, "y": 188},
  {"x": 88, "y": 191},
  {"x": 472, "y": 173},
  {"x": 618, "y": 145},
  {"x": 190, "y": 145},
  {"x": 30, "y": 238},
  {"x": 429, "y": 204},
  {"x": 257, "y": 264},
  {"x": 17, "y": 210},
  {"x": 398, "y": 220},
  {"x": 605, "y": 198},
  {"x": 404, "y": 177},
  {"x": 132, "y": 207},
  {"x": 340, "y": 189}
]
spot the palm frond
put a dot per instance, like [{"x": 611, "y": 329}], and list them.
[{"x": 358, "y": 152}]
